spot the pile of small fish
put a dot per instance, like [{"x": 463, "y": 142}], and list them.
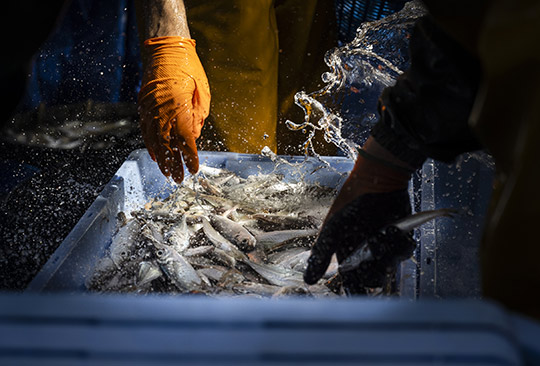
[{"x": 219, "y": 234}]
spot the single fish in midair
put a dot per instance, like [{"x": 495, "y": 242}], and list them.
[{"x": 363, "y": 253}]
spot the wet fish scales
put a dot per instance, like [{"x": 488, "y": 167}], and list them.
[
  {"x": 124, "y": 241},
  {"x": 273, "y": 222},
  {"x": 234, "y": 232},
  {"x": 276, "y": 275},
  {"x": 177, "y": 269},
  {"x": 148, "y": 271},
  {"x": 270, "y": 240},
  {"x": 163, "y": 223},
  {"x": 220, "y": 242}
]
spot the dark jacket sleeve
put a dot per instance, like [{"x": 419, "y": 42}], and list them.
[{"x": 425, "y": 114}]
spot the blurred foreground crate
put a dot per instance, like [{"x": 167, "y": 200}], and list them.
[{"x": 163, "y": 330}]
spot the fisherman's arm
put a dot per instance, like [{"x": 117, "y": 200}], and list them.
[
  {"x": 425, "y": 114},
  {"x": 174, "y": 98},
  {"x": 161, "y": 18},
  {"x": 374, "y": 195}
]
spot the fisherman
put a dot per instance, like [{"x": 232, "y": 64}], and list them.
[
  {"x": 241, "y": 51},
  {"x": 472, "y": 83}
]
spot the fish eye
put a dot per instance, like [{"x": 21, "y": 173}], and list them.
[{"x": 160, "y": 253}]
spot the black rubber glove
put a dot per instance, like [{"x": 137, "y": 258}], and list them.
[{"x": 360, "y": 220}]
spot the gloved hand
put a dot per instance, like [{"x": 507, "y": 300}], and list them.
[
  {"x": 174, "y": 100},
  {"x": 374, "y": 196},
  {"x": 358, "y": 221}
]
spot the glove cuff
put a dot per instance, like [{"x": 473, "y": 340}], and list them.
[
  {"x": 400, "y": 146},
  {"x": 373, "y": 175},
  {"x": 169, "y": 41},
  {"x": 386, "y": 163}
]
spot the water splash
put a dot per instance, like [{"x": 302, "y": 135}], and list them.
[{"x": 346, "y": 108}]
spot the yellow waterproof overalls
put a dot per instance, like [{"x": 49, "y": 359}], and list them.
[{"x": 257, "y": 54}]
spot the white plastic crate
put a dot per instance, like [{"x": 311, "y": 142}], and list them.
[{"x": 82, "y": 329}]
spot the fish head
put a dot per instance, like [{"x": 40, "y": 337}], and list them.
[
  {"x": 245, "y": 242},
  {"x": 148, "y": 272},
  {"x": 120, "y": 256},
  {"x": 162, "y": 252}
]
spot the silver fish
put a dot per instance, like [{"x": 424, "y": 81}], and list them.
[
  {"x": 363, "y": 253},
  {"x": 104, "y": 265},
  {"x": 224, "y": 257},
  {"x": 234, "y": 232},
  {"x": 272, "y": 239},
  {"x": 177, "y": 269},
  {"x": 213, "y": 272},
  {"x": 152, "y": 232},
  {"x": 204, "y": 279},
  {"x": 231, "y": 278},
  {"x": 201, "y": 261},
  {"x": 211, "y": 171},
  {"x": 124, "y": 241},
  {"x": 148, "y": 271},
  {"x": 298, "y": 262},
  {"x": 178, "y": 236},
  {"x": 285, "y": 222},
  {"x": 220, "y": 242},
  {"x": 278, "y": 257},
  {"x": 218, "y": 202},
  {"x": 256, "y": 288},
  {"x": 321, "y": 291},
  {"x": 188, "y": 238},
  {"x": 202, "y": 250},
  {"x": 224, "y": 180},
  {"x": 291, "y": 291},
  {"x": 410, "y": 222},
  {"x": 277, "y": 275},
  {"x": 209, "y": 187}
]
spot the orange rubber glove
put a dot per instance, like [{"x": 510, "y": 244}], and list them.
[{"x": 174, "y": 100}]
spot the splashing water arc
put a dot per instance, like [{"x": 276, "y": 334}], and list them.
[{"x": 345, "y": 109}]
